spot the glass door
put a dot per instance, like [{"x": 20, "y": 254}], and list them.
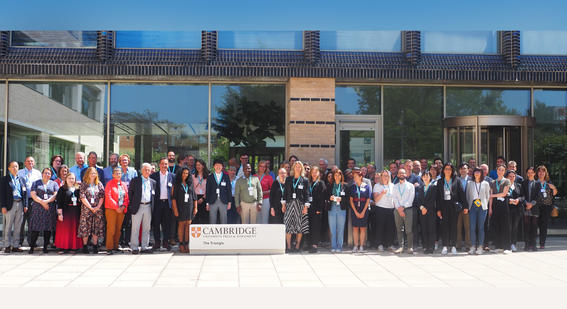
[{"x": 360, "y": 138}]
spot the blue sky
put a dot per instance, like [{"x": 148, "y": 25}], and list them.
[{"x": 283, "y": 15}]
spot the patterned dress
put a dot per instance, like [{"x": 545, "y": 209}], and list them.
[
  {"x": 41, "y": 219},
  {"x": 91, "y": 223},
  {"x": 295, "y": 221}
]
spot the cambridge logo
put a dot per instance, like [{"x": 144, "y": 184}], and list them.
[{"x": 195, "y": 232}]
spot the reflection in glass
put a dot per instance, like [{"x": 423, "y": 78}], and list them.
[
  {"x": 158, "y": 39},
  {"x": 279, "y": 40},
  {"x": 543, "y": 43},
  {"x": 54, "y": 38},
  {"x": 248, "y": 118},
  {"x": 550, "y": 134},
  {"x": 357, "y": 100},
  {"x": 46, "y": 119},
  {"x": 359, "y": 145},
  {"x": 466, "y": 42},
  {"x": 378, "y": 41},
  {"x": 463, "y": 101},
  {"x": 466, "y": 144},
  {"x": 147, "y": 121},
  {"x": 413, "y": 125}
]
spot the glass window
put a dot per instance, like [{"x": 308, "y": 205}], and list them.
[
  {"x": 248, "y": 118},
  {"x": 158, "y": 39},
  {"x": 280, "y": 40},
  {"x": 413, "y": 123},
  {"x": 550, "y": 134},
  {"x": 2, "y": 119},
  {"x": 147, "y": 121},
  {"x": 482, "y": 101},
  {"x": 54, "y": 38},
  {"x": 466, "y": 42},
  {"x": 380, "y": 41},
  {"x": 45, "y": 119},
  {"x": 543, "y": 42},
  {"x": 357, "y": 100}
]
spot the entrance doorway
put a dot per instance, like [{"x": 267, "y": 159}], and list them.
[
  {"x": 358, "y": 137},
  {"x": 484, "y": 138}
]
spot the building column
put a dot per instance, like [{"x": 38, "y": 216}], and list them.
[{"x": 310, "y": 119}]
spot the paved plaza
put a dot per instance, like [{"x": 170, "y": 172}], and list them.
[{"x": 546, "y": 268}]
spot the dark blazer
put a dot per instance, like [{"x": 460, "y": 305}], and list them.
[
  {"x": 458, "y": 196},
  {"x": 135, "y": 194},
  {"x": 7, "y": 193},
  {"x": 100, "y": 172},
  {"x": 531, "y": 196},
  {"x": 64, "y": 198},
  {"x": 320, "y": 196},
  {"x": 345, "y": 203},
  {"x": 427, "y": 200},
  {"x": 276, "y": 196},
  {"x": 302, "y": 195},
  {"x": 170, "y": 178},
  {"x": 211, "y": 189}
]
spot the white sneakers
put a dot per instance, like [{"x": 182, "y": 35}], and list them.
[
  {"x": 333, "y": 250},
  {"x": 354, "y": 249},
  {"x": 471, "y": 251},
  {"x": 380, "y": 248},
  {"x": 507, "y": 252},
  {"x": 444, "y": 251},
  {"x": 361, "y": 250},
  {"x": 399, "y": 250},
  {"x": 514, "y": 249},
  {"x": 410, "y": 251},
  {"x": 479, "y": 250},
  {"x": 453, "y": 251}
]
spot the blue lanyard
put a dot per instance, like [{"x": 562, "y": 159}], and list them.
[
  {"x": 172, "y": 171},
  {"x": 295, "y": 183},
  {"x": 249, "y": 181},
  {"x": 217, "y": 180},
  {"x": 338, "y": 191},
  {"x": 281, "y": 187},
  {"x": 185, "y": 188},
  {"x": 200, "y": 179},
  {"x": 145, "y": 183},
  {"x": 313, "y": 186},
  {"x": 498, "y": 185},
  {"x": 262, "y": 178},
  {"x": 448, "y": 184},
  {"x": 426, "y": 188},
  {"x": 16, "y": 182},
  {"x": 358, "y": 192},
  {"x": 92, "y": 187},
  {"x": 543, "y": 184},
  {"x": 401, "y": 192}
]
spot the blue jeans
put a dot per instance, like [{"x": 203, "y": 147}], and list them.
[
  {"x": 337, "y": 218},
  {"x": 477, "y": 216}
]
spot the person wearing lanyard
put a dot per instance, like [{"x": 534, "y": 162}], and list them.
[
  {"x": 13, "y": 201},
  {"x": 109, "y": 170},
  {"x": 248, "y": 196},
  {"x": 63, "y": 171},
  {"x": 200, "y": 187},
  {"x": 232, "y": 217},
  {"x": 218, "y": 193},
  {"x": 478, "y": 194},
  {"x": 450, "y": 201},
  {"x": 295, "y": 207},
  {"x": 463, "y": 219},
  {"x": 515, "y": 201},
  {"x": 171, "y": 166},
  {"x": 68, "y": 213},
  {"x": 531, "y": 210},
  {"x": 128, "y": 173},
  {"x": 91, "y": 221},
  {"x": 544, "y": 200},
  {"x": 499, "y": 212},
  {"x": 277, "y": 194},
  {"x": 337, "y": 211},
  {"x": 404, "y": 193},
  {"x": 161, "y": 214},
  {"x": 56, "y": 163},
  {"x": 426, "y": 198},
  {"x": 385, "y": 223},
  {"x": 79, "y": 166},
  {"x": 266, "y": 182},
  {"x": 318, "y": 196},
  {"x": 184, "y": 204},
  {"x": 140, "y": 192},
  {"x": 30, "y": 175},
  {"x": 115, "y": 205},
  {"x": 42, "y": 213},
  {"x": 359, "y": 202}
]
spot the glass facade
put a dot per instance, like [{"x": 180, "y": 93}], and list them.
[
  {"x": 148, "y": 120},
  {"x": 53, "y": 38},
  {"x": 45, "y": 119},
  {"x": 158, "y": 39},
  {"x": 459, "y": 42},
  {"x": 487, "y": 101},
  {"x": 2, "y": 119},
  {"x": 543, "y": 42},
  {"x": 378, "y": 41},
  {"x": 358, "y": 100},
  {"x": 278, "y": 40},
  {"x": 413, "y": 122},
  {"x": 248, "y": 118}
]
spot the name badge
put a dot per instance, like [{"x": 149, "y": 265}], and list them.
[
  {"x": 223, "y": 184},
  {"x": 542, "y": 190},
  {"x": 169, "y": 184},
  {"x": 92, "y": 201},
  {"x": 342, "y": 193},
  {"x": 362, "y": 189},
  {"x": 218, "y": 191},
  {"x": 15, "y": 193},
  {"x": 153, "y": 192},
  {"x": 186, "y": 197},
  {"x": 282, "y": 201},
  {"x": 45, "y": 196},
  {"x": 24, "y": 188},
  {"x": 544, "y": 194},
  {"x": 501, "y": 199},
  {"x": 251, "y": 191},
  {"x": 293, "y": 195},
  {"x": 300, "y": 187},
  {"x": 447, "y": 195},
  {"x": 74, "y": 200},
  {"x": 310, "y": 199}
]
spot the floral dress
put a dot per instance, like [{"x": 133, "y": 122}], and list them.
[{"x": 91, "y": 223}]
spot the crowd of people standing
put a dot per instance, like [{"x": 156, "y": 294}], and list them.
[{"x": 409, "y": 205}]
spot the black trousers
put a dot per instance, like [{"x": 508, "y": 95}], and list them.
[
  {"x": 385, "y": 226},
  {"x": 530, "y": 227},
  {"x": 543, "y": 220},
  {"x": 161, "y": 217},
  {"x": 371, "y": 226},
  {"x": 428, "y": 228},
  {"x": 126, "y": 230},
  {"x": 202, "y": 216},
  {"x": 23, "y": 227},
  {"x": 449, "y": 223},
  {"x": 500, "y": 225},
  {"x": 515, "y": 218},
  {"x": 315, "y": 221},
  {"x": 34, "y": 235}
]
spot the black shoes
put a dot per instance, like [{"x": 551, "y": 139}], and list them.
[
  {"x": 95, "y": 249},
  {"x": 135, "y": 251},
  {"x": 313, "y": 250},
  {"x": 85, "y": 250},
  {"x": 31, "y": 250},
  {"x": 7, "y": 249},
  {"x": 147, "y": 251}
]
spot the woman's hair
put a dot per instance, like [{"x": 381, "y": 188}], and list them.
[
  {"x": 63, "y": 167},
  {"x": 204, "y": 165},
  {"x": 55, "y": 157},
  {"x": 543, "y": 168},
  {"x": 530, "y": 168},
  {"x": 292, "y": 170},
  {"x": 478, "y": 170},
  {"x": 449, "y": 164},
  {"x": 88, "y": 172},
  {"x": 46, "y": 168},
  {"x": 179, "y": 177},
  {"x": 122, "y": 156},
  {"x": 338, "y": 171},
  {"x": 65, "y": 181},
  {"x": 427, "y": 173},
  {"x": 313, "y": 168}
]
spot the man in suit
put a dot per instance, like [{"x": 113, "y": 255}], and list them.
[
  {"x": 141, "y": 193},
  {"x": 162, "y": 213},
  {"x": 218, "y": 193},
  {"x": 13, "y": 201},
  {"x": 463, "y": 220}
]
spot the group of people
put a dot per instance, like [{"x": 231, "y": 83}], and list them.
[{"x": 409, "y": 203}]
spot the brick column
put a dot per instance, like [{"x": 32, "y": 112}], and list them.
[{"x": 310, "y": 119}]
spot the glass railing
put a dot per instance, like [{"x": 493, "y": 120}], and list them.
[
  {"x": 459, "y": 42},
  {"x": 543, "y": 42},
  {"x": 53, "y": 38},
  {"x": 275, "y": 40},
  {"x": 158, "y": 39},
  {"x": 380, "y": 41}
]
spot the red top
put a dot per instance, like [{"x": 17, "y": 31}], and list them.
[
  {"x": 266, "y": 182},
  {"x": 111, "y": 195}
]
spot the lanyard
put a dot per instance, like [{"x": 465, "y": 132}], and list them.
[
  {"x": 543, "y": 184},
  {"x": 313, "y": 186},
  {"x": 358, "y": 192},
  {"x": 262, "y": 178},
  {"x": 200, "y": 179},
  {"x": 16, "y": 182},
  {"x": 477, "y": 188},
  {"x": 401, "y": 192},
  {"x": 426, "y": 188},
  {"x": 172, "y": 170},
  {"x": 498, "y": 185},
  {"x": 185, "y": 188},
  {"x": 249, "y": 181},
  {"x": 145, "y": 183},
  {"x": 54, "y": 173},
  {"x": 448, "y": 184},
  {"x": 281, "y": 187},
  {"x": 219, "y": 179},
  {"x": 295, "y": 183},
  {"x": 338, "y": 191},
  {"x": 92, "y": 187}
]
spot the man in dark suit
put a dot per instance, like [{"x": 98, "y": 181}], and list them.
[
  {"x": 14, "y": 203},
  {"x": 463, "y": 221},
  {"x": 218, "y": 193},
  {"x": 141, "y": 193},
  {"x": 161, "y": 215}
]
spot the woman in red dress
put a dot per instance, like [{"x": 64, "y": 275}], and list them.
[{"x": 68, "y": 212}]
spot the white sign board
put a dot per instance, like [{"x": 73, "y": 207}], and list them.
[{"x": 237, "y": 239}]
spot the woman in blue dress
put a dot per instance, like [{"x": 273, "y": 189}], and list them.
[{"x": 43, "y": 211}]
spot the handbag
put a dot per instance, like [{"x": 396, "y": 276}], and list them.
[{"x": 554, "y": 211}]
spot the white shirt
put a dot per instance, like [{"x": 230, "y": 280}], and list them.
[
  {"x": 29, "y": 177},
  {"x": 162, "y": 186},
  {"x": 404, "y": 193},
  {"x": 387, "y": 200},
  {"x": 146, "y": 190}
]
